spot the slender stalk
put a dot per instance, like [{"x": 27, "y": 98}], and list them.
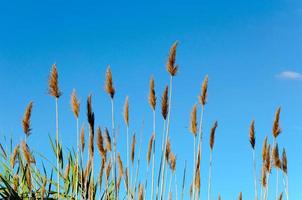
[
  {"x": 285, "y": 183},
  {"x": 176, "y": 188},
  {"x": 153, "y": 156},
  {"x": 183, "y": 181},
  {"x": 57, "y": 144},
  {"x": 255, "y": 176},
  {"x": 168, "y": 127},
  {"x": 170, "y": 183},
  {"x": 77, "y": 162},
  {"x": 127, "y": 130},
  {"x": 277, "y": 183},
  {"x": 193, "y": 191},
  {"x": 138, "y": 161},
  {"x": 161, "y": 160},
  {"x": 114, "y": 148},
  {"x": 210, "y": 175}
]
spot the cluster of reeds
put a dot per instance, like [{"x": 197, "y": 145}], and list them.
[
  {"x": 79, "y": 176},
  {"x": 270, "y": 161}
]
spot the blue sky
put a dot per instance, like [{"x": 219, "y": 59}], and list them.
[{"x": 251, "y": 51}]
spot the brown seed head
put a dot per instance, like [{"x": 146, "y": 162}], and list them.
[
  {"x": 14, "y": 156},
  {"x": 152, "y": 97},
  {"x": 284, "y": 162},
  {"x": 168, "y": 150},
  {"x": 219, "y": 197},
  {"x": 276, "y": 158},
  {"x": 263, "y": 177},
  {"x": 120, "y": 165},
  {"x": 108, "y": 140},
  {"x": 172, "y": 159},
  {"x": 164, "y": 103},
  {"x": 108, "y": 169},
  {"x": 133, "y": 148},
  {"x": 53, "y": 86},
  {"x": 100, "y": 143},
  {"x": 171, "y": 66},
  {"x": 252, "y": 134},
  {"x": 150, "y": 148},
  {"x": 26, "y": 119},
  {"x": 126, "y": 111},
  {"x": 28, "y": 178},
  {"x": 91, "y": 143},
  {"x": 82, "y": 138},
  {"x": 126, "y": 178},
  {"x": 268, "y": 159},
  {"x": 26, "y": 152},
  {"x": 197, "y": 179},
  {"x": 193, "y": 121},
  {"x": 75, "y": 104},
  {"x": 109, "y": 88},
  {"x": 276, "y": 125},
  {"x": 212, "y": 136},
  {"x": 101, "y": 172},
  {"x": 204, "y": 91},
  {"x": 90, "y": 113},
  {"x": 264, "y": 148}
]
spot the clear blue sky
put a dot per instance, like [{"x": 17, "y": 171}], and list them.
[{"x": 250, "y": 49}]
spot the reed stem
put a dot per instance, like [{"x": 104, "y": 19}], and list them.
[
  {"x": 57, "y": 144},
  {"x": 210, "y": 175}
]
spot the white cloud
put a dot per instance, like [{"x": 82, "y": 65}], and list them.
[{"x": 290, "y": 75}]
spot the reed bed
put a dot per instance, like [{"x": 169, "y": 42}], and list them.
[{"x": 80, "y": 176}]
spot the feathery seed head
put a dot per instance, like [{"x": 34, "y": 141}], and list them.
[
  {"x": 14, "y": 156},
  {"x": 150, "y": 148},
  {"x": 75, "y": 104},
  {"x": 165, "y": 103},
  {"x": 126, "y": 111},
  {"x": 212, "y": 136},
  {"x": 133, "y": 148},
  {"x": 100, "y": 143},
  {"x": 276, "y": 158},
  {"x": 53, "y": 86},
  {"x": 252, "y": 134},
  {"x": 108, "y": 140},
  {"x": 193, "y": 121},
  {"x": 171, "y": 66},
  {"x": 90, "y": 113},
  {"x": 276, "y": 125},
  {"x": 26, "y": 119},
  {"x": 120, "y": 165},
  {"x": 109, "y": 83},
  {"x": 264, "y": 149},
  {"x": 26, "y": 152},
  {"x": 82, "y": 138},
  {"x": 284, "y": 161},
  {"x": 204, "y": 91},
  {"x": 152, "y": 97}
]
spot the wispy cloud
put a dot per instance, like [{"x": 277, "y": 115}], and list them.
[{"x": 292, "y": 75}]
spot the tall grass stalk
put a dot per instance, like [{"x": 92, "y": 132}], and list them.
[
  {"x": 153, "y": 156},
  {"x": 210, "y": 175},
  {"x": 57, "y": 144}
]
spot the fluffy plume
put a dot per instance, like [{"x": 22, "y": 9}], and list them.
[
  {"x": 120, "y": 165},
  {"x": 14, "y": 156},
  {"x": 101, "y": 172},
  {"x": 109, "y": 83},
  {"x": 108, "y": 140},
  {"x": 150, "y": 148},
  {"x": 168, "y": 150},
  {"x": 100, "y": 143},
  {"x": 263, "y": 177},
  {"x": 133, "y": 148},
  {"x": 284, "y": 162},
  {"x": 267, "y": 162},
  {"x": 90, "y": 113},
  {"x": 197, "y": 179},
  {"x": 204, "y": 91},
  {"x": 82, "y": 138},
  {"x": 53, "y": 86},
  {"x": 276, "y": 125},
  {"x": 152, "y": 97},
  {"x": 280, "y": 196},
  {"x": 26, "y": 119},
  {"x": 276, "y": 158},
  {"x": 28, "y": 178},
  {"x": 26, "y": 152},
  {"x": 171, "y": 66},
  {"x": 212, "y": 136},
  {"x": 126, "y": 111},
  {"x": 165, "y": 103},
  {"x": 172, "y": 159},
  {"x": 193, "y": 121},
  {"x": 126, "y": 178},
  {"x": 91, "y": 143},
  {"x": 75, "y": 104},
  {"x": 264, "y": 148},
  {"x": 108, "y": 169},
  {"x": 252, "y": 134}
]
